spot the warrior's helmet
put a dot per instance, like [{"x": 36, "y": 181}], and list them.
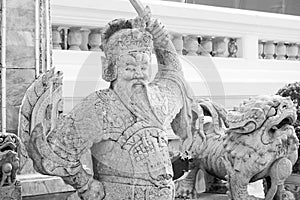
[{"x": 121, "y": 37}]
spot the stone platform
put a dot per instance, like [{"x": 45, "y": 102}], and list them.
[{"x": 208, "y": 196}]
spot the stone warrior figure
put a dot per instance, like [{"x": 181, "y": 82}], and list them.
[{"x": 126, "y": 125}]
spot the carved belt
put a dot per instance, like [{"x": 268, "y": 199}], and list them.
[{"x": 124, "y": 180}]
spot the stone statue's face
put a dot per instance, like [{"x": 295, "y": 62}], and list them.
[{"x": 133, "y": 69}]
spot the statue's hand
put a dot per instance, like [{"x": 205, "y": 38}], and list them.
[
  {"x": 157, "y": 29},
  {"x": 94, "y": 191}
]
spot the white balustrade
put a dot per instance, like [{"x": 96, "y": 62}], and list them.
[
  {"x": 219, "y": 47},
  {"x": 279, "y": 50},
  {"x": 190, "y": 44},
  {"x": 84, "y": 39},
  {"x": 89, "y": 39},
  {"x": 292, "y": 51},
  {"x": 95, "y": 39},
  {"x": 269, "y": 50},
  {"x": 74, "y": 38},
  {"x": 206, "y": 46}
]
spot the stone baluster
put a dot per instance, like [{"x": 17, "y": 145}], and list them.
[
  {"x": 232, "y": 48},
  {"x": 281, "y": 51},
  {"x": 292, "y": 51},
  {"x": 177, "y": 41},
  {"x": 206, "y": 46},
  {"x": 64, "y": 37},
  {"x": 261, "y": 49},
  {"x": 56, "y": 37},
  {"x": 74, "y": 38},
  {"x": 95, "y": 39},
  {"x": 269, "y": 50},
  {"x": 298, "y": 52},
  {"x": 191, "y": 44},
  {"x": 85, "y": 38},
  {"x": 219, "y": 46}
]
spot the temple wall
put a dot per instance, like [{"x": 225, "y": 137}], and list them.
[{"x": 19, "y": 55}]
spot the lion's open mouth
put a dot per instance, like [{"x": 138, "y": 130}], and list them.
[
  {"x": 283, "y": 123},
  {"x": 8, "y": 147}
]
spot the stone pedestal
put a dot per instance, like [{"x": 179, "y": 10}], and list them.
[
  {"x": 37, "y": 186},
  {"x": 208, "y": 196}
]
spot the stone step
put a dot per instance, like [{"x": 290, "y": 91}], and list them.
[{"x": 208, "y": 196}]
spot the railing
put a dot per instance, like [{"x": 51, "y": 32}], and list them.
[
  {"x": 279, "y": 50},
  {"x": 84, "y": 39},
  {"x": 253, "y": 52}
]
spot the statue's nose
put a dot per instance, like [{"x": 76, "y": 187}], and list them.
[{"x": 138, "y": 73}]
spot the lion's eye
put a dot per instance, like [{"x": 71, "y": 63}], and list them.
[
  {"x": 13, "y": 139},
  {"x": 1, "y": 139}
]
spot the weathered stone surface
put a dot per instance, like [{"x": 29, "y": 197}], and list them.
[
  {"x": 37, "y": 184},
  {"x": 57, "y": 196},
  {"x": 260, "y": 141},
  {"x": 18, "y": 80},
  {"x": 20, "y": 19},
  {"x": 20, "y": 76},
  {"x": 20, "y": 57},
  {"x": 208, "y": 196},
  {"x": 12, "y": 117},
  {"x": 15, "y": 93},
  {"x": 20, "y": 38},
  {"x": 23, "y": 4}
]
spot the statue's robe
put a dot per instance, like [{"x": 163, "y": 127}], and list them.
[{"x": 128, "y": 140}]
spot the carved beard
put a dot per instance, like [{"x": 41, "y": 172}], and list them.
[{"x": 126, "y": 90}]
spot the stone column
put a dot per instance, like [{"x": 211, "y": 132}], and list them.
[
  {"x": 292, "y": 51},
  {"x": 191, "y": 45},
  {"x": 281, "y": 51},
  {"x": 232, "y": 48},
  {"x": 219, "y": 46},
  {"x": 20, "y": 72},
  {"x": 95, "y": 39},
  {"x": 207, "y": 46},
  {"x": 20, "y": 56},
  {"x": 269, "y": 50},
  {"x": 260, "y": 49},
  {"x": 74, "y": 38},
  {"x": 85, "y": 39}
]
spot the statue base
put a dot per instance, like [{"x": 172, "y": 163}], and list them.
[
  {"x": 38, "y": 186},
  {"x": 208, "y": 196}
]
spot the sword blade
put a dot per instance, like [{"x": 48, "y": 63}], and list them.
[{"x": 138, "y": 6}]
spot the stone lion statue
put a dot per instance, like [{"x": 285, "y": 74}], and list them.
[{"x": 251, "y": 142}]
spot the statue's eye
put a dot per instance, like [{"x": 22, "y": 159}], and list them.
[
  {"x": 1, "y": 139},
  {"x": 13, "y": 139}
]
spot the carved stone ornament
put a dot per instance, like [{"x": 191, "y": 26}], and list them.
[
  {"x": 42, "y": 104},
  {"x": 10, "y": 187},
  {"x": 259, "y": 142}
]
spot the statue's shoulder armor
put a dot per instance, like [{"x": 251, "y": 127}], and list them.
[{"x": 115, "y": 116}]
